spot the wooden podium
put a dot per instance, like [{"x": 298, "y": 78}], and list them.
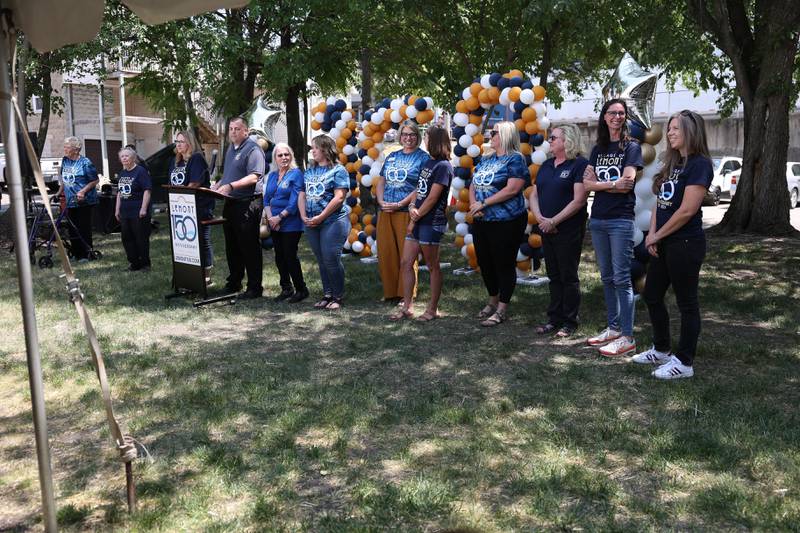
[{"x": 188, "y": 261}]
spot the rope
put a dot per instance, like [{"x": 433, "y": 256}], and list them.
[{"x": 125, "y": 444}]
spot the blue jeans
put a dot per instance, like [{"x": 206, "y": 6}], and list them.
[
  {"x": 326, "y": 241},
  {"x": 613, "y": 245}
]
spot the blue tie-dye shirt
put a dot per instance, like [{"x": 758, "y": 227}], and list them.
[
  {"x": 491, "y": 176},
  {"x": 76, "y": 175},
  {"x": 320, "y": 183},
  {"x": 401, "y": 174}
]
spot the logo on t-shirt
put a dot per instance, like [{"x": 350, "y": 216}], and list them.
[
  {"x": 178, "y": 176},
  {"x": 125, "y": 186},
  {"x": 397, "y": 172},
  {"x": 667, "y": 190},
  {"x": 564, "y": 174},
  {"x": 315, "y": 185},
  {"x": 609, "y": 167},
  {"x": 484, "y": 176}
]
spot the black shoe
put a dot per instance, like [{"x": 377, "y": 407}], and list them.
[
  {"x": 250, "y": 295},
  {"x": 232, "y": 288},
  {"x": 285, "y": 293},
  {"x": 133, "y": 268},
  {"x": 299, "y": 296}
]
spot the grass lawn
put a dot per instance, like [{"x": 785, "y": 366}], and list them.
[{"x": 271, "y": 417}]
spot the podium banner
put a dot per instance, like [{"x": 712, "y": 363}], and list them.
[{"x": 184, "y": 226}]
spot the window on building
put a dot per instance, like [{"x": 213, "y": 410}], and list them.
[{"x": 37, "y": 104}]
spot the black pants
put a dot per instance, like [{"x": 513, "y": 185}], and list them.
[
  {"x": 287, "y": 261},
  {"x": 496, "y": 247},
  {"x": 562, "y": 255},
  {"x": 80, "y": 236},
  {"x": 678, "y": 264},
  {"x": 136, "y": 240},
  {"x": 242, "y": 245}
]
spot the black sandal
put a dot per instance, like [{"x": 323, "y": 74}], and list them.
[
  {"x": 322, "y": 304},
  {"x": 335, "y": 304},
  {"x": 565, "y": 331},
  {"x": 545, "y": 329},
  {"x": 497, "y": 318}
]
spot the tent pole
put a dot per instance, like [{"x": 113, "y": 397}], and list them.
[{"x": 26, "y": 286}]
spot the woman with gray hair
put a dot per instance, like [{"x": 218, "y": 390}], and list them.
[
  {"x": 281, "y": 190},
  {"x": 133, "y": 210},
  {"x": 558, "y": 200},
  {"x": 77, "y": 181}
]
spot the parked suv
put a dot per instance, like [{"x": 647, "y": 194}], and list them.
[{"x": 726, "y": 172}]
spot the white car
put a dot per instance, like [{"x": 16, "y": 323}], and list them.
[
  {"x": 726, "y": 172},
  {"x": 793, "y": 183}
]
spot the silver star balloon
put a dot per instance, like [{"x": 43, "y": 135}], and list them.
[{"x": 636, "y": 86}]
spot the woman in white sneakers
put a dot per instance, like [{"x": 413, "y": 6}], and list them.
[{"x": 678, "y": 244}]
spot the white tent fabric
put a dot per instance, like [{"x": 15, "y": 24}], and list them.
[{"x": 50, "y": 24}]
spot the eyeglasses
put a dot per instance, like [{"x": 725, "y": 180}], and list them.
[
  {"x": 408, "y": 135},
  {"x": 493, "y": 133},
  {"x": 180, "y": 142},
  {"x": 552, "y": 138},
  {"x": 615, "y": 113},
  {"x": 283, "y": 155}
]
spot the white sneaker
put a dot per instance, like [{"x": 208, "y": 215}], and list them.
[
  {"x": 619, "y": 347},
  {"x": 604, "y": 337},
  {"x": 651, "y": 357},
  {"x": 673, "y": 369}
]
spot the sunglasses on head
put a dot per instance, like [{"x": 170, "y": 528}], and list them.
[{"x": 493, "y": 133}]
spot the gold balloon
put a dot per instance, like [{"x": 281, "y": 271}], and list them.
[
  {"x": 653, "y": 135},
  {"x": 648, "y": 153}
]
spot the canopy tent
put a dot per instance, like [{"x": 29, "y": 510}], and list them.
[{"x": 48, "y": 25}]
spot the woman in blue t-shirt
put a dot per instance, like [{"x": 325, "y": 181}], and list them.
[
  {"x": 428, "y": 224},
  {"x": 189, "y": 168},
  {"x": 678, "y": 244},
  {"x": 395, "y": 191},
  {"x": 78, "y": 181},
  {"x": 558, "y": 200},
  {"x": 498, "y": 208},
  {"x": 611, "y": 175},
  {"x": 325, "y": 215},
  {"x": 133, "y": 210},
  {"x": 281, "y": 190}
]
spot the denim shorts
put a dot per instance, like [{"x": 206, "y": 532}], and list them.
[{"x": 426, "y": 234}]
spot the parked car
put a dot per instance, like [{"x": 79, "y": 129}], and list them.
[
  {"x": 726, "y": 172},
  {"x": 51, "y": 169},
  {"x": 793, "y": 183}
]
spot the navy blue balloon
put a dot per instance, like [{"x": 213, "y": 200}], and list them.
[
  {"x": 362, "y": 153},
  {"x": 476, "y": 160},
  {"x": 329, "y": 111},
  {"x": 327, "y": 125},
  {"x": 528, "y": 162},
  {"x": 421, "y": 104},
  {"x": 494, "y": 77},
  {"x": 405, "y": 98},
  {"x": 461, "y": 172},
  {"x": 395, "y": 125},
  {"x": 353, "y": 182},
  {"x": 478, "y": 112},
  {"x": 519, "y": 107},
  {"x": 336, "y": 115},
  {"x": 386, "y": 102},
  {"x": 516, "y": 115},
  {"x": 351, "y": 200},
  {"x": 362, "y": 236},
  {"x": 352, "y": 158},
  {"x": 502, "y": 83},
  {"x": 267, "y": 243},
  {"x": 476, "y": 80},
  {"x": 636, "y": 130},
  {"x": 368, "y": 115},
  {"x": 526, "y": 249},
  {"x": 524, "y": 137},
  {"x": 364, "y": 170},
  {"x": 459, "y": 150},
  {"x": 340, "y": 105},
  {"x": 458, "y": 131},
  {"x": 516, "y": 81},
  {"x": 527, "y": 84},
  {"x": 537, "y": 139},
  {"x": 352, "y": 141}
]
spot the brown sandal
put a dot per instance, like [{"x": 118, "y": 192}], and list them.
[
  {"x": 497, "y": 318},
  {"x": 401, "y": 313},
  {"x": 427, "y": 316},
  {"x": 487, "y": 311}
]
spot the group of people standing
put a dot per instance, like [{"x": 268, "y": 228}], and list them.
[{"x": 412, "y": 194}]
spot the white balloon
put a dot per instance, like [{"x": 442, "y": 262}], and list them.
[
  {"x": 527, "y": 204},
  {"x": 464, "y": 141},
  {"x": 455, "y": 161},
  {"x": 464, "y": 251},
  {"x": 526, "y": 96},
  {"x": 461, "y": 119},
  {"x": 347, "y": 116},
  {"x": 459, "y": 184},
  {"x": 540, "y": 109},
  {"x": 375, "y": 170},
  {"x": 471, "y": 129},
  {"x": 643, "y": 187},
  {"x": 528, "y": 229},
  {"x": 341, "y": 124},
  {"x": 375, "y": 248},
  {"x": 468, "y": 238},
  {"x": 466, "y": 94},
  {"x": 460, "y": 217},
  {"x": 430, "y": 102},
  {"x": 538, "y": 157},
  {"x": 521, "y": 256},
  {"x": 376, "y": 118},
  {"x": 504, "y": 96},
  {"x": 379, "y": 148},
  {"x": 367, "y": 160},
  {"x": 348, "y": 149},
  {"x": 486, "y": 106},
  {"x": 544, "y": 147},
  {"x": 319, "y": 117},
  {"x": 396, "y": 104},
  {"x": 651, "y": 170},
  {"x": 361, "y": 136},
  {"x": 637, "y": 236},
  {"x": 473, "y": 150},
  {"x": 397, "y": 118},
  {"x": 642, "y": 220},
  {"x": 411, "y": 111},
  {"x": 485, "y": 83},
  {"x": 347, "y": 245},
  {"x": 462, "y": 229},
  {"x": 544, "y": 122},
  {"x": 331, "y": 100},
  {"x": 366, "y": 180},
  {"x": 334, "y": 133},
  {"x": 370, "y": 240},
  {"x": 357, "y": 246}
]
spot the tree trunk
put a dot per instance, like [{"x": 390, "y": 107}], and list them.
[
  {"x": 366, "y": 80},
  {"x": 293, "y": 130},
  {"x": 44, "y": 120}
]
